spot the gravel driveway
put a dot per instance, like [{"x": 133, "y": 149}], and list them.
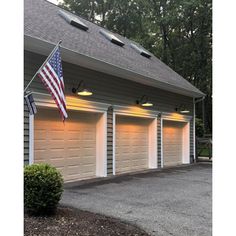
[{"x": 176, "y": 201}]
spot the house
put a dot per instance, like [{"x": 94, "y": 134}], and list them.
[{"x": 140, "y": 114}]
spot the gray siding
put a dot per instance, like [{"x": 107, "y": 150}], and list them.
[
  {"x": 108, "y": 89},
  {"x": 159, "y": 142},
  {"x": 191, "y": 142},
  {"x": 26, "y": 134},
  {"x": 109, "y": 141}
]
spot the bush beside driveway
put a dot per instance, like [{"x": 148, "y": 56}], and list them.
[{"x": 175, "y": 201}]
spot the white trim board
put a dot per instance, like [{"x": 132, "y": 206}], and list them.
[
  {"x": 101, "y": 146},
  {"x": 31, "y": 139},
  {"x": 194, "y": 130},
  {"x": 186, "y": 144},
  {"x": 162, "y": 156},
  {"x": 73, "y": 103},
  {"x": 175, "y": 117},
  {"x": 114, "y": 144},
  {"x": 134, "y": 111},
  {"x": 153, "y": 145}
]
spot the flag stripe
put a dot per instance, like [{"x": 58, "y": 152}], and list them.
[
  {"x": 44, "y": 82},
  {"x": 54, "y": 94},
  {"x": 50, "y": 89},
  {"x": 61, "y": 80},
  {"x": 54, "y": 75},
  {"x": 54, "y": 84},
  {"x": 46, "y": 85}
]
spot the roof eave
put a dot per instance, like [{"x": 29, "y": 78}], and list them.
[{"x": 42, "y": 47}]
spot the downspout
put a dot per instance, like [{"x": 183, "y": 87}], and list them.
[
  {"x": 199, "y": 100},
  {"x": 203, "y": 109},
  {"x": 195, "y": 101}
]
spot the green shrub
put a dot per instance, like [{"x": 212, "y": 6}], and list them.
[{"x": 43, "y": 187}]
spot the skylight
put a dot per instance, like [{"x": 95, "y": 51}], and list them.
[
  {"x": 140, "y": 50},
  {"x": 73, "y": 20},
  {"x": 112, "y": 38}
]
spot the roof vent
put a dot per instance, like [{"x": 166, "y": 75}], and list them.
[
  {"x": 140, "y": 50},
  {"x": 111, "y": 38},
  {"x": 73, "y": 20}
]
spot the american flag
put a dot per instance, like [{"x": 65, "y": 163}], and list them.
[{"x": 52, "y": 77}]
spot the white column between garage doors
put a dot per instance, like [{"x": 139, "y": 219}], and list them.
[
  {"x": 75, "y": 104},
  {"x": 152, "y": 132},
  {"x": 185, "y": 137}
]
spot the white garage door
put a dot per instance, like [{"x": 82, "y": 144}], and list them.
[
  {"x": 131, "y": 152},
  {"x": 172, "y": 143},
  {"x": 70, "y": 147}
]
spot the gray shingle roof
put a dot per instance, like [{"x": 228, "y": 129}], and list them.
[{"x": 42, "y": 20}]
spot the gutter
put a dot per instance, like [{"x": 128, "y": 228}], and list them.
[
  {"x": 203, "y": 108},
  {"x": 200, "y": 99}
]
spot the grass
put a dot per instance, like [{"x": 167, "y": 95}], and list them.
[{"x": 204, "y": 152}]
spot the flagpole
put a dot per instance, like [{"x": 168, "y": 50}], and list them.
[{"x": 57, "y": 45}]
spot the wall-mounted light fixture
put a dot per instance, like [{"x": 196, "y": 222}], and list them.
[
  {"x": 82, "y": 90},
  {"x": 144, "y": 101},
  {"x": 182, "y": 109}
]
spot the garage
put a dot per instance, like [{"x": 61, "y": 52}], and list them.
[
  {"x": 69, "y": 146},
  {"x": 175, "y": 143},
  {"x": 132, "y": 139}
]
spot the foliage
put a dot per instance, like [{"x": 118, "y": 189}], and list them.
[
  {"x": 199, "y": 128},
  {"x": 179, "y": 32},
  {"x": 43, "y": 187}
]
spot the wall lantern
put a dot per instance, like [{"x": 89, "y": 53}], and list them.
[
  {"x": 182, "y": 109},
  {"x": 144, "y": 101},
  {"x": 82, "y": 90}
]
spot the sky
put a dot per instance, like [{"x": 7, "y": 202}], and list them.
[{"x": 53, "y": 1}]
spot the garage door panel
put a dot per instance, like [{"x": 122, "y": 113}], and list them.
[
  {"x": 58, "y": 163},
  {"x": 40, "y": 144},
  {"x": 41, "y": 134},
  {"x": 41, "y": 155},
  {"x": 74, "y": 161},
  {"x": 172, "y": 142},
  {"x": 70, "y": 147},
  {"x": 56, "y": 153},
  {"x": 76, "y": 152},
  {"x": 79, "y": 143},
  {"x": 54, "y": 144},
  {"x": 138, "y": 162},
  {"x": 87, "y": 169},
  {"x": 55, "y": 134},
  {"x": 88, "y": 160}
]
